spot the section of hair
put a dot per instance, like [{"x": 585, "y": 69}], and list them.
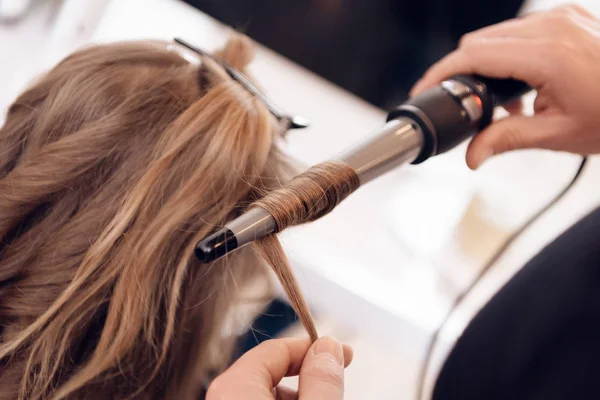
[
  {"x": 112, "y": 166},
  {"x": 238, "y": 53},
  {"x": 305, "y": 198},
  {"x": 310, "y": 195},
  {"x": 270, "y": 249}
]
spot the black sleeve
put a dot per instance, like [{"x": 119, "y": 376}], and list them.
[{"x": 539, "y": 336}]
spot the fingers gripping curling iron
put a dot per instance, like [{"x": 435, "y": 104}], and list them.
[{"x": 430, "y": 124}]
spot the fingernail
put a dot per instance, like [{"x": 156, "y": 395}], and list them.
[
  {"x": 330, "y": 348},
  {"x": 348, "y": 353}
]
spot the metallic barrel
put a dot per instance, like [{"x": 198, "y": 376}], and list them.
[{"x": 397, "y": 142}]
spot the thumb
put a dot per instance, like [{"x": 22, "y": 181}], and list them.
[
  {"x": 322, "y": 372},
  {"x": 512, "y": 133}
]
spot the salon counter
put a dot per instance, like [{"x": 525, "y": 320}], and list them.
[{"x": 390, "y": 260}]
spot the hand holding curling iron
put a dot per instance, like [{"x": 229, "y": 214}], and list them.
[{"x": 555, "y": 52}]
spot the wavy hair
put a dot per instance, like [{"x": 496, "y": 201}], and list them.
[{"x": 112, "y": 166}]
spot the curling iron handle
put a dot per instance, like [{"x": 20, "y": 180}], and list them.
[
  {"x": 457, "y": 109},
  {"x": 504, "y": 90},
  {"x": 493, "y": 92}
]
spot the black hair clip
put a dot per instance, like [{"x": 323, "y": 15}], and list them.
[{"x": 293, "y": 122}]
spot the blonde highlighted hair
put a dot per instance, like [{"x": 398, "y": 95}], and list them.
[{"x": 112, "y": 166}]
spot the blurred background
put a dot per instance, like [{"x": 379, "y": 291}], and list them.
[
  {"x": 382, "y": 270},
  {"x": 375, "y": 49}
]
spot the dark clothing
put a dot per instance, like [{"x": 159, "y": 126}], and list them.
[{"x": 539, "y": 336}]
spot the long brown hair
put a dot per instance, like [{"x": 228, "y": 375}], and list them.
[{"x": 112, "y": 166}]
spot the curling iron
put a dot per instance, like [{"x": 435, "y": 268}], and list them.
[{"x": 427, "y": 125}]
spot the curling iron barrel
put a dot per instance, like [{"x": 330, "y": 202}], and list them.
[{"x": 430, "y": 124}]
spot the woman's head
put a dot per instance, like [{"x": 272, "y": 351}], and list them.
[{"x": 112, "y": 166}]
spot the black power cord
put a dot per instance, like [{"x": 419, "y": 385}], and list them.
[{"x": 459, "y": 299}]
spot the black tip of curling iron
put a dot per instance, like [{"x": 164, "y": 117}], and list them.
[{"x": 216, "y": 245}]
